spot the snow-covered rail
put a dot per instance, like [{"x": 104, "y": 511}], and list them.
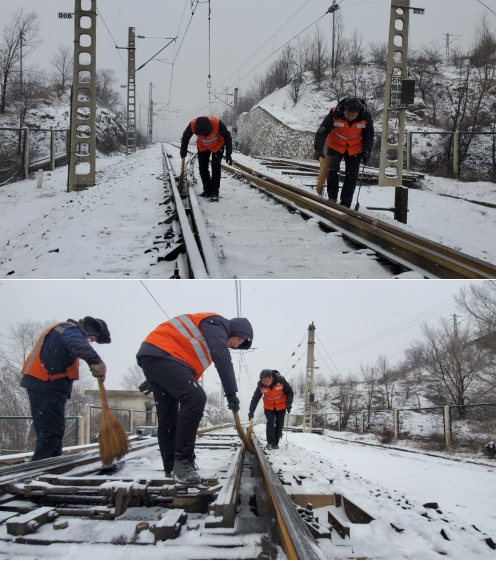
[{"x": 407, "y": 250}]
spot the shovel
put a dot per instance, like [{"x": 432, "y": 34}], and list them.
[{"x": 357, "y": 206}]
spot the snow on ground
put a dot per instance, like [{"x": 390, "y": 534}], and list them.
[
  {"x": 392, "y": 486},
  {"x": 105, "y": 231}
]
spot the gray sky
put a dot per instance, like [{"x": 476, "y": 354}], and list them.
[
  {"x": 355, "y": 321},
  {"x": 242, "y": 35}
]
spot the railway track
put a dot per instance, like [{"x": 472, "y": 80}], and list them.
[
  {"x": 185, "y": 240},
  {"x": 240, "y": 511},
  {"x": 406, "y": 250}
]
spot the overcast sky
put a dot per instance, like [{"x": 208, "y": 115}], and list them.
[
  {"x": 355, "y": 321},
  {"x": 243, "y": 34}
]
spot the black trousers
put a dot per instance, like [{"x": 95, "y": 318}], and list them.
[
  {"x": 275, "y": 424},
  {"x": 211, "y": 184},
  {"x": 180, "y": 403},
  {"x": 352, "y": 167},
  {"x": 48, "y": 412}
]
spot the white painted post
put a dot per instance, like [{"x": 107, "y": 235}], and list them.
[{"x": 39, "y": 179}]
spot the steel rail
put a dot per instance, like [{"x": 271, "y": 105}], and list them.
[
  {"x": 296, "y": 539},
  {"x": 433, "y": 258},
  {"x": 195, "y": 258}
]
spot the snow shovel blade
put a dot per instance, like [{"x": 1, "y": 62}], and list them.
[
  {"x": 325, "y": 163},
  {"x": 242, "y": 434}
]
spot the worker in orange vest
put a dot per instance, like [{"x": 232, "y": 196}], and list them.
[
  {"x": 173, "y": 358},
  {"x": 49, "y": 372},
  {"x": 212, "y": 136},
  {"x": 277, "y": 399},
  {"x": 349, "y": 131}
]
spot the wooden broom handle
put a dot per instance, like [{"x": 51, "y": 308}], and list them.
[{"x": 103, "y": 395}]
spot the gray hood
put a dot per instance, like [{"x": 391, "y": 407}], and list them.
[{"x": 241, "y": 327}]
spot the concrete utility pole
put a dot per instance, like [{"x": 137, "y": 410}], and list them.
[
  {"x": 149, "y": 136},
  {"x": 399, "y": 93},
  {"x": 235, "y": 120},
  {"x": 332, "y": 10},
  {"x": 82, "y": 152},
  {"x": 309, "y": 395},
  {"x": 131, "y": 93}
]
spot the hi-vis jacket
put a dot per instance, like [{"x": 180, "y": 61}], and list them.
[
  {"x": 34, "y": 367},
  {"x": 181, "y": 337},
  {"x": 219, "y": 137},
  {"x": 214, "y": 141},
  {"x": 198, "y": 340},
  {"x": 275, "y": 397},
  {"x": 342, "y": 135}
]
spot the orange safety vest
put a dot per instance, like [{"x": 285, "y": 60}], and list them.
[
  {"x": 274, "y": 398},
  {"x": 181, "y": 337},
  {"x": 34, "y": 367},
  {"x": 214, "y": 141},
  {"x": 345, "y": 137}
]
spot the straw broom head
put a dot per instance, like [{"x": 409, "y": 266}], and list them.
[{"x": 113, "y": 440}]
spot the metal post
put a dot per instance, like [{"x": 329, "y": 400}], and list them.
[
  {"x": 25, "y": 155},
  {"x": 401, "y": 204},
  {"x": 150, "y": 116},
  {"x": 87, "y": 424},
  {"x": 456, "y": 155},
  {"x": 447, "y": 426},
  {"x": 396, "y": 423},
  {"x": 83, "y": 104},
  {"x": 235, "y": 120},
  {"x": 52, "y": 149},
  {"x": 362, "y": 421}
]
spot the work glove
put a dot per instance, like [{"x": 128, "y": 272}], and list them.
[
  {"x": 229, "y": 159},
  {"x": 250, "y": 415},
  {"x": 145, "y": 387},
  {"x": 288, "y": 408},
  {"x": 99, "y": 370},
  {"x": 319, "y": 154},
  {"x": 365, "y": 157},
  {"x": 232, "y": 402}
]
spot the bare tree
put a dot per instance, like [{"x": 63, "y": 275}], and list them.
[
  {"x": 386, "y": 381},
  {"x": 451, "y": 356},
  {"x": 346, "y": 400},
  {"x": 378, "y": 53},
  {"x": 318, "y": 58},
  {"x": 479, "y": 301},
  {"x": 133, "y": 378},
  {"x": 27, "y": 95},
  {"x": 20, "y": 36},
  {"x": 105, "y": 93},
  {"x": 62, "y": 67}
]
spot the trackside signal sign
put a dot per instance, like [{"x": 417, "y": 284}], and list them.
[{"x": 65, "y": 15}]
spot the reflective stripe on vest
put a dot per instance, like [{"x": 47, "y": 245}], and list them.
[
  {"x": 202, "y": 353},
  {"x": 182, "y": 338},
  {"x": 34, "y": 367}
]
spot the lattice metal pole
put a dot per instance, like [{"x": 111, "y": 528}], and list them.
[
  {"x": 309, "y": 395},
  {"x": 131, "y": 93},
  {"x": 83, "y": 105},
  {"x": 150, "y": 116}
]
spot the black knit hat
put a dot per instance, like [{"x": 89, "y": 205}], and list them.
[
  {"x": 96, "y": 327},
  {"x": 203, "y": 126},
  {"x": 267, "y": 373}
]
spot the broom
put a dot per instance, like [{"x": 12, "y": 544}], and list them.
[
  {"x": 113, "y": 440},
  {"x": 181, "y": 177},
  {"x": 325, "y": 162},
  {"x": 242, "y": 434}
]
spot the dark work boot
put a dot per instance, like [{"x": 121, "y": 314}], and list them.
[
  {"x": 214, "y": 198},
  {"x": 186, "y": 472}
]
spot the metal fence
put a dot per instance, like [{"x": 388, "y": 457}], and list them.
[
  {"x": 452, "y": 426},
  {"x": 17, "y": 434},
  {"x": 128, "y": 418},
  {"x": 470, "y": 156}
]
